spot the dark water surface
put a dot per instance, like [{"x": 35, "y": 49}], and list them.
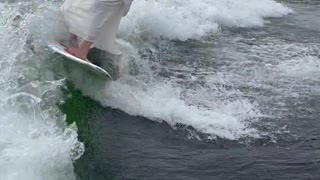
[{"x": 120, "y": 146}]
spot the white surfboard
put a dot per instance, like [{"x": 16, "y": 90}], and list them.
[{"x": 56, "y": 47}]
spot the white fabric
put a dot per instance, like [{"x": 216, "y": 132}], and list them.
[
  {"x": 95, "y": 20},
  {"x": 127, "y": 5}
]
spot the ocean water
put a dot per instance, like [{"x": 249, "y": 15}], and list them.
[{"x": 207, "y": 90}]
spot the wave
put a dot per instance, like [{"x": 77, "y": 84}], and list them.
[
  {"x": 37, "y": 143},
  {"x": 212, "y": 110},
  {"x": 35, "y": 140},
  {"x": 189, "y": 19}
]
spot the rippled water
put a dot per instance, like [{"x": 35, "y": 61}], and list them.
[{"x": 207, "y": 90}]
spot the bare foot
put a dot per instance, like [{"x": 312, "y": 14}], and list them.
[
  {"x": 77, "y": 52},
  {"x": 81, "y": 51}
]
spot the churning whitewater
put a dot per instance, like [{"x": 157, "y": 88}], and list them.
[
  {"x": 36, "y": 140},
  {"x": 167, "y": 100}
]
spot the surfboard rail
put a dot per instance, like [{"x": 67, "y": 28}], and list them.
[{"x": 58, "y": 48}]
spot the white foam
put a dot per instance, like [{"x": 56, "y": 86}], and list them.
[
  {"x": 33, "y": 148},
  {"x": 35, "y": 142},
  {"x": 305, "y": 67},
  {"x": 228, "y": 117},
  {"x": 158, "y": 101},
  {"x": 162, "y": 102},
  {"x": 190, "y": 19}
]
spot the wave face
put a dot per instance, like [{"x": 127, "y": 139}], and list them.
[
  {"x": 186, "y": 94},
  {"x": 188, "y": 19},
  {"x": 35, "y": 141}
]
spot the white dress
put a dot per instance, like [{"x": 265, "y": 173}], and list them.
[{"x": 95, "y": 20}]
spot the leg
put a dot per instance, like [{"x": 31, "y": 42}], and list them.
[{"x": 80, "y": 52}]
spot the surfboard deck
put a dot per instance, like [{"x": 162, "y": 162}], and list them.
[{"x": 58, "y": 48}]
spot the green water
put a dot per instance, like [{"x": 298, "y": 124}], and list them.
[{"x": 77, "y": 108}]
